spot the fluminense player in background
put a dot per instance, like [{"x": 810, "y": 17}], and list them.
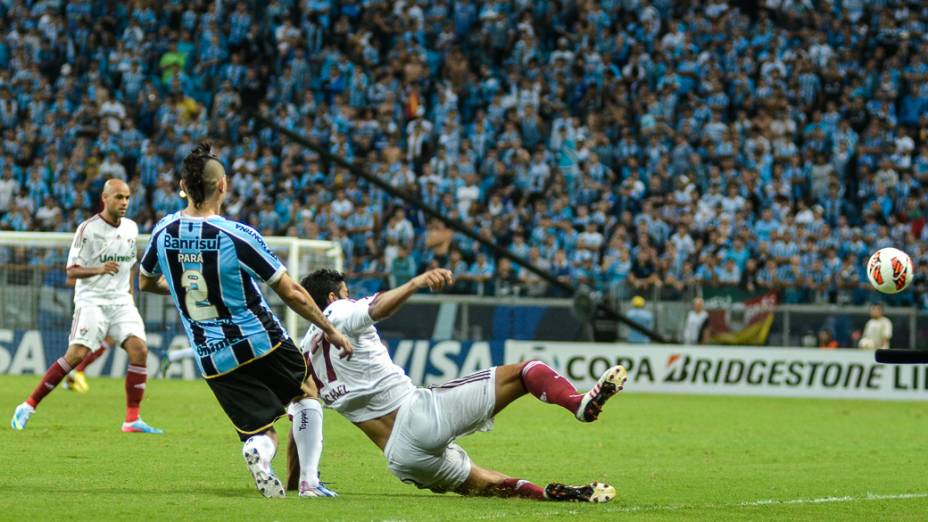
[
  {"x": 416, "y": 427},
  {"x": 210, "y": 267},
  {"x": 101, "y": 260}
]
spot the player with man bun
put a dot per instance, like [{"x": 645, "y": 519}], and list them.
[{"x": 211, "y": 266}]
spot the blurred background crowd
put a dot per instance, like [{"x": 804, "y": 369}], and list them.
[{"x": 632, "y": 146}]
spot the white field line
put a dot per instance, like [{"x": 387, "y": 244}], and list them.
[
  {"x": 829, "y": 500},
  {"x": 613, "y": 508}
]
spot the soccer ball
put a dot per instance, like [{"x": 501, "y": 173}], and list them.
[{"x": 890, "y": 270}]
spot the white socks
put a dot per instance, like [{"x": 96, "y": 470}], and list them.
[
  {"x": 307, "y": 434},
  {"x": 265, "y": 446},
  {"x": 176, "y": 355}
]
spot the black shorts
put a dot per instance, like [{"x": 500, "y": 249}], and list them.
[{"x": 257, "y": 393}]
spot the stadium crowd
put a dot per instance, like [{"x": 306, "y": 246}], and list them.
[{"x": 633, "y": 146}]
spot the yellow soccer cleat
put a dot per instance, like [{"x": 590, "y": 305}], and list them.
[{"x": 80, "y": 383}]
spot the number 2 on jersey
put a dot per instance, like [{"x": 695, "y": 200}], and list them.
[{"x": 196, "y": 294}]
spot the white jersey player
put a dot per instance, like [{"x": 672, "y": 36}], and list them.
[
  {"x": 101, "y": 261},
  {"x": 417, "y": 427},
  {"x": 369, "y": 385}
]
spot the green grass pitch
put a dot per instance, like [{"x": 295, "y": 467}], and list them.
[{"x": 670, "y": 457}]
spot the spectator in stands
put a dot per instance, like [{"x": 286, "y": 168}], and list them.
[
  {"x": 641, "y": 316},
  {"x": 48, "y": 215},
  {"x": 481, "y": 273},
  {"x": 728, "y": 274},
  {"x": 544, "y": 119},
  {"x": 438, "y": 240},
  {"x": 643, "y": 274},
  {"x": 403, "y": 267},
  {"x": 506, "y": 282},
  {"x": 112, "y": 167},
  {"x": 826, "y": 340},
  {"x": 695, "y": 324},
  {"x": 878, "y": 332}
]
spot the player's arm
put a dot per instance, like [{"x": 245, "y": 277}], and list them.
[
  {"x": 390, "y": 301},
  {"x": 133, "y": 274},
  {"x": 298, "y": 299},
  {"x": 154, "y": 285},
  {"x": 258, "y": 261},
  {"x": 83, "y": 272},
  {"x": 150, "y": 278}
]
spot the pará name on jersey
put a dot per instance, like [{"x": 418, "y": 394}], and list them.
[{"x": 190, "y": 258}]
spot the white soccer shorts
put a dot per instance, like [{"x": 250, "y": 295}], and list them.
[
  {"x": 421, "y": 449},
  {"x": 91, "y": 323}
]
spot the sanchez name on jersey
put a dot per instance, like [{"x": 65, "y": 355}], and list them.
[{"x": 367, "y": 386}]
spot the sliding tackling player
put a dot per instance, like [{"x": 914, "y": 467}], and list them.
[{"x": 416, "y": 427}]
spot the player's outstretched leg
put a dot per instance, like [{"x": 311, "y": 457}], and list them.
[
  {"x": 55, "y": 373},
  {"x": 136, "y": 379},
  {"x": 306, "y": 442},
  {"x": 487, "y": 482},
  {"x": 547, "y": 385},
  {"x": 259, "y": 451},
  {"x": 172, "y": 357}
]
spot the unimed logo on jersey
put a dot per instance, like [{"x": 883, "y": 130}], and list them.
[
  {"x": 177, "y": 243},
  {"x": 120, "y": 259}
]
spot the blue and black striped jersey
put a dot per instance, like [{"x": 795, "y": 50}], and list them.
[{"x": 211, "y": 266}]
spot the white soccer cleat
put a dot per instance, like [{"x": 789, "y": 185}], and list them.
[
  {"x": 319, "y": 490},
  {"x": 597, "y": 492},
  {"x": 140, "y": 426},
  {"x": 265, "y": 479},
  {"x": 21, "y": 416},
  {"x": 611, "y": 383}
]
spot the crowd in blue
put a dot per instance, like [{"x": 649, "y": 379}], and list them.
[{"x": 628, "y": 145}]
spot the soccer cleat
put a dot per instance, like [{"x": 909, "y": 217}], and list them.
[
  {"x": 319, "y": 490},
  {"x": 21, "y": 416},
  {"x": 139, "y": 426},
  {"x": 265, "y": 479},
  {"x": 596, "y": 492},
  {"x": 80, "y": 383},
  {"x": 164, "y": 365},
  {"x": 611, "y": 383}
]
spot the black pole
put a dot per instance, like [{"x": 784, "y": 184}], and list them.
[{"x": 454, "y": 224}]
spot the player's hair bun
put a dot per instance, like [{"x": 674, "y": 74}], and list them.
[{"x": 192, "y": 172}]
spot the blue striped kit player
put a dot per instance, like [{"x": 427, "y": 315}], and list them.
[{"x": 211, "y": 267}]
